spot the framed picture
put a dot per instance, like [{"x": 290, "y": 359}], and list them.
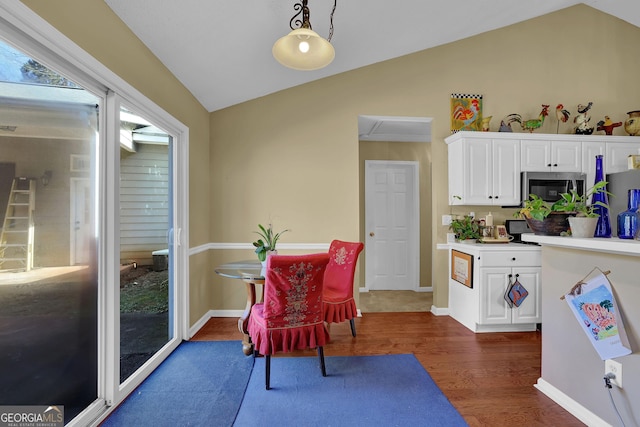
[
  {"x": 501, "y": 232},
  {"x": 462, "y": 268},
  {"x": 466, "y": 112}
]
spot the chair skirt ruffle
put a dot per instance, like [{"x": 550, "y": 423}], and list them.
[
  {"x": 337, "y": 312},
  {"x": 285, "y": 339}
]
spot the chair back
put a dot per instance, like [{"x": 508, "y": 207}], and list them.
[
  {"x": 340, "y": 272},
  {"x": 293, "y": 290}
]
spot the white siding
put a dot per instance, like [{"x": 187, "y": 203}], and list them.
[{"x": 144, "y": 202}]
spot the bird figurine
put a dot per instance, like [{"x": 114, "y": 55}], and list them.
[
  {"x": 607, "y": 125},
  {"x": 582, "y": 120},
  {"x": 485, "y": 123},
  {"x": 533, "y": 124},
  {"x": 505, "y": 124},
  {"x": 562, "y": 115}
]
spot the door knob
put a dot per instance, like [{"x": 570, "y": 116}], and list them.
[{"x": 372, "y": 234}]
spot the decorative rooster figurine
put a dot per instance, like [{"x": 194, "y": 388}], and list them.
[
  {"x": 534, "y": 124},
  {"x": 562, "y": 115}
]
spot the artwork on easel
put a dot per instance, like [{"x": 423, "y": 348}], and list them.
[
  {"x": 466, "y": 112},
  {"x": 594, "y": 305}
]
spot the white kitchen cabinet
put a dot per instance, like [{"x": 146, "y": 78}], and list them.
[
  {"x": 484, "y": 171},
  {"x": 482, "y": 308},
  {"x": 494, "y": 310},
  {"x": 543, "y": 155},
  {"x": 484, "y": 167},
  {"x": 590, "y": 149},
  {"x": 615, "y": 158}
]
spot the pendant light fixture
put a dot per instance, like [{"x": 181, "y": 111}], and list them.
[{"x": 303, "y": 49}]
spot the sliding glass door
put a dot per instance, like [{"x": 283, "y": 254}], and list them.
[
  {"x": 146, "y": 244},
  {"x": 88, "y": 255},
  {"x": 48, "y": 240}
]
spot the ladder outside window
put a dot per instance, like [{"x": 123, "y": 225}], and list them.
[{"x": 16, "y": 239}]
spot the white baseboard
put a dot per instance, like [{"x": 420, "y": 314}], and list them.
[
  {"x": 420, "y": 289},
  {"x": 439, "y": 311},
  {"x": 570, "y": 405}
]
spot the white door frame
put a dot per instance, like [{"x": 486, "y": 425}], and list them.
[{"x": 413, "y": 218}]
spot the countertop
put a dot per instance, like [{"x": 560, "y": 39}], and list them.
[
  {"x": 598, "y": 244},
  {"x": 488, "y": 246}
]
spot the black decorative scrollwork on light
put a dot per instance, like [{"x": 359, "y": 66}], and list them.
[{"x": 303, "y": 10}]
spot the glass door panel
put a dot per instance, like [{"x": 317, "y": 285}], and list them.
[
  {"x": 48, "y": 237},
  {"x": 146, "y": 250}
]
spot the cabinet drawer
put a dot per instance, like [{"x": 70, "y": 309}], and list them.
[{"x": 510, "y": 259}]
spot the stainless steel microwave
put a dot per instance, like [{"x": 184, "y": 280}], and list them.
[{"x": 549, "y": 185}]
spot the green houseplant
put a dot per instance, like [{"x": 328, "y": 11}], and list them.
[
  {"x": 574, "y": 202},
  {"x": 267, "y": 242},
  {"x": 465, "y": 228},
  {"x": 553, "y": 219}
]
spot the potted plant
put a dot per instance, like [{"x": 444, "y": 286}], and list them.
[
  {"x": 267, "y": 242},
  {"x": 466, "y": 228},
  {"x": 553, "y": 219},
  {"x": 586, "y": 219}
]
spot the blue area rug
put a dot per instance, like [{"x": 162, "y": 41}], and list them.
[
  {"x": 200, "y": 384},
  {"x": 391, "y": 390}
]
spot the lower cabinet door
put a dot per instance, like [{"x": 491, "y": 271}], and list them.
[
  {"x": 493, "y": 284},
  {"x": 493, "y": 307},
  {"x": 530, "y": 310}
]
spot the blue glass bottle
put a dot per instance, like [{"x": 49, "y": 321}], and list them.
[
  {"x": 603, "y": 228},
  {"x": 628, "y": 220}
]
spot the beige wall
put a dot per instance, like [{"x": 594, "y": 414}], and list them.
[
  {"x": 270, "y": 154},
  {"x": 96, "y": 29},
  {"x": 293, "y": 156}
]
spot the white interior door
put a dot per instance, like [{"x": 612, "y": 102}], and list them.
[
  {"x": 392, "y": 225},
  {"x": 80, "y": 220}
]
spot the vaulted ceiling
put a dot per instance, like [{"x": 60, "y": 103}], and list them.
[{"x": 221, "y": 50}]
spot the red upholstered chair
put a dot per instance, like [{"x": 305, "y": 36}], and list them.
[
  {"x": 291, "y": 316},
  {"x": 339, "y": 304}
]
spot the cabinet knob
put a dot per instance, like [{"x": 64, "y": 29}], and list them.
[
  {"x": 555, "y": 165},
  {"x": 491, "y": 197},
  {"x": 513, "y": 259},
  {"x": 548, "y": 164}
]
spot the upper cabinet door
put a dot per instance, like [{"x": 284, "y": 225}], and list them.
[
  {"x": 506, "y": 172},
  {"x": 617, "y": 154},
  {"x": 551, "y": 156},
  {"x": 477, "y": 170},
  {"x": 484, "y": 172},
  {"x": 536, "y": 156}
]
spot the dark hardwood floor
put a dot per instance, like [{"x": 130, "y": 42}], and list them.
[{"x": 488, "y": 377}]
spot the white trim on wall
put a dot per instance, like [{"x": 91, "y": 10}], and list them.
[{"x": 323, "y": 247}]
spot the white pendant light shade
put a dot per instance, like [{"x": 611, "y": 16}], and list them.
[{"x": 303, "y": 49}]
